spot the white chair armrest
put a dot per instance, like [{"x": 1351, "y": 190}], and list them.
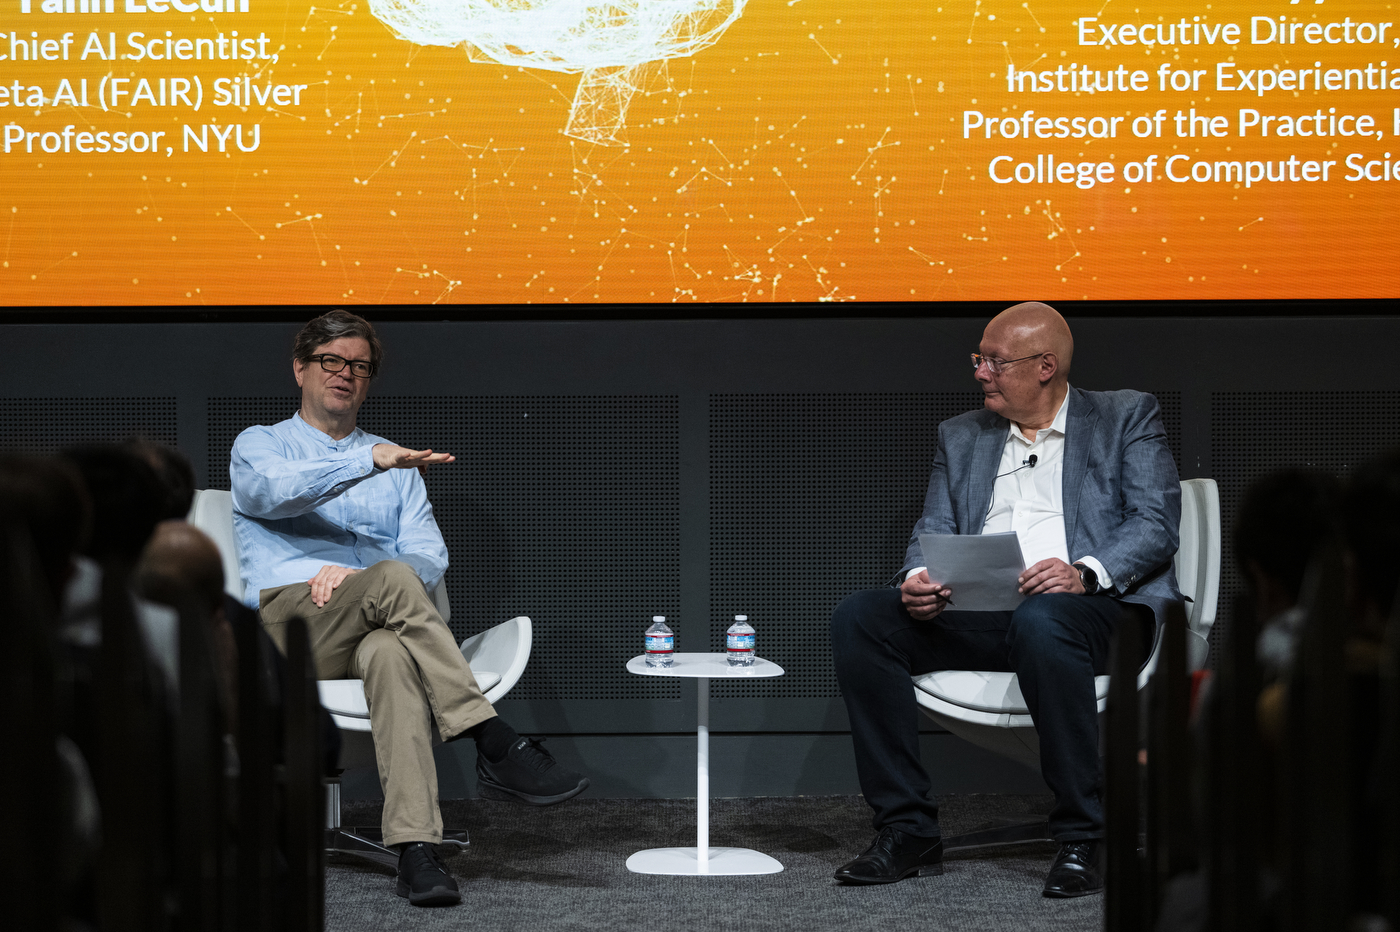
[
  {"x": 212, "y": 513},
  {"x": 497, "y": 657},
  {"x": 503, "y": 650},
  {"x": 980, "y": 691}
]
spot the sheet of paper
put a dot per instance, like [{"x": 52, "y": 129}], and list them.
[{"x": 981, "y": 569}]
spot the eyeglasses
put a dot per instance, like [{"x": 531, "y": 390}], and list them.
[
  {"x": 332, "y": 363},
  {"x": 997, "y": 366}
]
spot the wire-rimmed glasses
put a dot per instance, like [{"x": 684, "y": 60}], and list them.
[{"x": 997, "y": 366}]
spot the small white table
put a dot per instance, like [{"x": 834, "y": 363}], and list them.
[{"x": 702, "y": 859}]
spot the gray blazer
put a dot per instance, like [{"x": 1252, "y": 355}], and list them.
[{"x": 1122, "y": 497}]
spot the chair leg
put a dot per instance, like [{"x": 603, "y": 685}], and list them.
[
  {"x": 1000, "y": 832},
  {"x": 367, "y": 842}
]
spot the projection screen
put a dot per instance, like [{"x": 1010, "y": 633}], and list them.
[{"x": 233, "y": 152}]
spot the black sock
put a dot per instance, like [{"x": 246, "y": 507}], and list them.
[{"x": 493, "y": 738}]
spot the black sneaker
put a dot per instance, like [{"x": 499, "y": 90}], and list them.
[
  {"x": 528, "y": 774},
  {"x": 424, "y": 879}
]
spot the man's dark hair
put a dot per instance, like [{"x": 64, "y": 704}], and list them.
[
  {"x": 127, "y": 499},
  {"x": 333, "y": 325},
  {"x": 1285, "y": 515},
  {"x": 173, "y": 471},
  {"x": 46, "y": 497},
  {"x": 1371, "y": 522}
]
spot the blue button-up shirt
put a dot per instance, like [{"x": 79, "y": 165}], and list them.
[{"x": 302, "y": 501}]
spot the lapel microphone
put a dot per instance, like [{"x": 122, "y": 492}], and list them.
[
  {"x": 1025, "y": 464},
  {"x": 1028, "y": 463}
]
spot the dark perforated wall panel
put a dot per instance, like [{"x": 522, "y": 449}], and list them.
[
  {"x": 811, "y": 498},
  {"x": 1171, "y": 423},
  {"x": 46, "y": 425},
  {"x": 228, "y": 417},
  {"x": 565, "y": 509},
  {"x": 1253, "y": 433}
]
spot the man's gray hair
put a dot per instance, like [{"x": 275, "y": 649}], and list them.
[{"x": 333, "y": 325}]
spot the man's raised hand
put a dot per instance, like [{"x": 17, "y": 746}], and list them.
[
  {"x": 922, "y": 598},
  {"x": 325, "y": 582},
  {"x": 390, "y": 456}
]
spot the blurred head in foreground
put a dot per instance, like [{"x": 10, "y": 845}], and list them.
[
  {"x": 181, "y": 567},
  {"x": 45, "y": 498}
]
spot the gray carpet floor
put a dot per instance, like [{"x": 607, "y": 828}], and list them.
[{"x": 565, "y": 868}]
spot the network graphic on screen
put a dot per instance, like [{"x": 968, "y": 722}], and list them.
[
  {"x": 619, "y": 46},
  {"x": 659, "y": 152}
]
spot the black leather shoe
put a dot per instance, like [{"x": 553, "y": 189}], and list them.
[
  {"x": 1075, "y": 871},
  {"x": 892, "y": 856},
  {"x": 528, "y": 774},
  {"x": 424, "y": 879}
]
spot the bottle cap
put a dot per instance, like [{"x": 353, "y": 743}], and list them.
[
  {"x": 658, "y": 617},
  {"x": 741, "y": 617}
]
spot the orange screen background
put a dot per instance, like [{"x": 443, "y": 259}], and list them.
[{"x": 814, "y": 152}]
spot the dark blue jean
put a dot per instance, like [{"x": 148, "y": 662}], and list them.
[{"x": 1055, "y": 643}]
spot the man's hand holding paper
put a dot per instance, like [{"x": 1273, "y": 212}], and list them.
[
  {"x": 922, "y": 598},
  {"x": 984, "y": 570}
]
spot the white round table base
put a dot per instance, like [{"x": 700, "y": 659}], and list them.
[{"x": 686, "y": 861}]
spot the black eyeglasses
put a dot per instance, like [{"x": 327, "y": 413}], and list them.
[
  {"x": 996, "y": 366},
  {"x": 332, "y": 363}
]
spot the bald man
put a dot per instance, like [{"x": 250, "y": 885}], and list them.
[
  {"x": 179, "y": 562},
  {"x": 1087, "y": 482}
]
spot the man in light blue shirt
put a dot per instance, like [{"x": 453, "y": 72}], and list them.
[{"x": 334, "y": 526}]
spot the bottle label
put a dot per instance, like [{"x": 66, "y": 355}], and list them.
[
  {"x": 739, "y": 643},
  {"x": 661, "y": 643}
]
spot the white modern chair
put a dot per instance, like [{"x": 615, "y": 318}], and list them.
[
  {"x": 988, "y": 709},
  {"x": 497, "y": 658}
]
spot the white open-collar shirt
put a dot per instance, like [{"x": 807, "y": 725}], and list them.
[{"x": 1030, "y": 499}]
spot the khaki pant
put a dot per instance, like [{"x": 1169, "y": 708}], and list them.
[{"x": 381, "y": 626}]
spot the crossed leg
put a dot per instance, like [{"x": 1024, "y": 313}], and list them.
[{"x": 381, "y": 626}]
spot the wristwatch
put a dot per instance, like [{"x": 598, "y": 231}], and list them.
[{"x": 1088, "y": 579}]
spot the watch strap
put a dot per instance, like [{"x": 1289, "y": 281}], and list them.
[{"x": 1088, "y": 579}]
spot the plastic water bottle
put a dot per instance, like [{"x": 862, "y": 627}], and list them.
[
  {"x": 661, "y": 643},
  {"x": 739, "y": 642}
]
